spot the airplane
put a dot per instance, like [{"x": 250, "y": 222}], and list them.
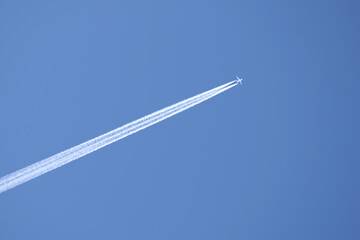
[{"x": 239, "y": 80}]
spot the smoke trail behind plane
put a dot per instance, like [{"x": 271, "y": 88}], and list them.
[{"x": 23, "y": 175}]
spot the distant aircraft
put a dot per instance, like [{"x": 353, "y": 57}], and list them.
[{"x": 239, "y": 80}]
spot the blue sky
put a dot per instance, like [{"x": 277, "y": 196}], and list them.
[{"x": 277, "y": 158}]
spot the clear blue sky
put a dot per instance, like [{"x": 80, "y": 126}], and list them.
[{"x": 275, "y": 159}]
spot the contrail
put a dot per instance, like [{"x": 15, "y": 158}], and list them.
[{"x": 25, "y": 174}]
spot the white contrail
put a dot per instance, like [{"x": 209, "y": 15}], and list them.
[{"x": 23, "y": 175}]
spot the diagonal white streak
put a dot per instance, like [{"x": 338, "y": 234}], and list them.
[
  {"x": 23, "y": 175},
  {"x": 128, "y": 126}
]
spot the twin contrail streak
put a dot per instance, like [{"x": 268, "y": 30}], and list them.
[{"x": 23, "y": 175}]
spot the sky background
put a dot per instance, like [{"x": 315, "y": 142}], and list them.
[{"x": 277, "y": 158}]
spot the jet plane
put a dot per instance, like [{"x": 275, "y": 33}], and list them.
[{"x": 239, "y": 80}]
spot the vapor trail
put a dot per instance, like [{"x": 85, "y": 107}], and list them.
[{"x": 23, "y": 175}]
